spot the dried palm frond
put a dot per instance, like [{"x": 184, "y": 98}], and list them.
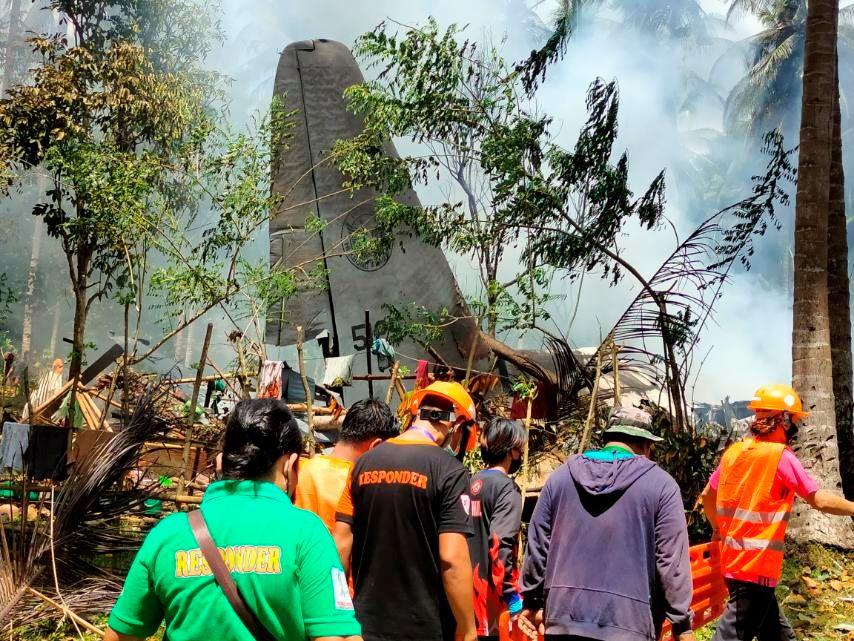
[
  {"x": 659, "y": 330},
  {"x": 82, "y": 520}
]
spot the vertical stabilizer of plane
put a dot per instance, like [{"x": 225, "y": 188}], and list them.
[{"x": 311, "y": 78}]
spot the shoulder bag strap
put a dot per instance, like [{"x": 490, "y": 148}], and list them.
[{"x": 224, "y": 579}]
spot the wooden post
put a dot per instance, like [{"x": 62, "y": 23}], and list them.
[
  {"x": 526, "y": 473},
  {"x": 392, "y": 382},
  {"x": 191, "y": 419},
  {"x": 111, "y": 391},
  {"x": 309, "y": 401},
  {"x": 591, "y": 413},
  {"x": 241, "y": 362},
  {"x": 369, "y": 340},
  {"x": 472, "y": 349},
  {"x": 615, "y": 366}
]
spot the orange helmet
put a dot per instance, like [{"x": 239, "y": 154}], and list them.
[
  {"x": 778, "y": 397},
  {"x": 453, "y": 392}
]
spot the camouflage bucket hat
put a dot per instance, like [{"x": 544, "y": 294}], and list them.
[{"x": 631, "y": 421}]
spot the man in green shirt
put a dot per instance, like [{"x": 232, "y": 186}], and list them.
[{"x": 282, "y": 559}]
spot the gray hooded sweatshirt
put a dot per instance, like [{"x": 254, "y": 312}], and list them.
[{"x": 608, "y": 551}]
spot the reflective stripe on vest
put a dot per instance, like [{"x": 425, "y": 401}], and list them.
[
  {"x": 750, "y": 516},
  {"x": 751, "y": 519},
  {"x": 753, "y": 544}
]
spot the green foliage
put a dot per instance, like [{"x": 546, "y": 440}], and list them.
[
  {"x": 152, "y": 196},
  {"x": 8, "y": 297},
  {"x": 413, "y": 322},
  {"x": 525, "y": 388},
  {"x": 754, "y": 214},
  {"x": 561, "y": 209}
]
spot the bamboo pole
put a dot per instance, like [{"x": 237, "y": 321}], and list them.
[
  {"x": 526, "y": 451},
  {"x": 470, "y": 361},
  {"x": 111, "y": 391},
  {"x": 180, "y": 498},
  {"x": 241, "y": 361},
  {"x": 309, "y": 401},
  {"x": 615, "y": 366},
  {"x": 71, "y": 615},
  {"x": 191, "y": 418},
  {"x": 382, "y": 377},
  {"x": 401, "y": 390},
  {"x": 591, "y": 412},
  {"x": 390, "y": 391},
  {"x": 526, "y": 473}
]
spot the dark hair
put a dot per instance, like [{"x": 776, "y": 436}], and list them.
[
  {"x": 258, "y": 432},
  {"x": 500, "y": 436},
  {"x": 366, "y": 420}
]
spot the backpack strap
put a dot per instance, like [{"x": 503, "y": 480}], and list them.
[{"x": 224, "y": 579}]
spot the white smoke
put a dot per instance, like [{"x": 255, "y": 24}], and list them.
[{"x": 750, "y": 342}]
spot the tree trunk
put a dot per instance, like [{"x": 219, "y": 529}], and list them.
[
  {"x": 54, "y": 332},
  {"x": 27, "y": 325},
  {"x": 839, "y": 305},
  {"x": 12, "y": 46},
  {"x": 811, "y": 366},
  {"x": 78, "y": 335}
]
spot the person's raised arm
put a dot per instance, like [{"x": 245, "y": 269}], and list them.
[
  {"x": 830, "y": 503},
  {"x": 458, "y": 583}
]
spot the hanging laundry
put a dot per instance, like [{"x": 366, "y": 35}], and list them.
[
  {"x": 381, "y": 347},
  {"x": 45, "y": 458},
  {"x": 16, "y": 438},
  {"x": 292, "y": 389},
  {"x": 49, "y": 383},
  {"x": 339, "y": 371},
  {"x": 385, "y": 353},
  {"x": 270, "y": 380},
  {"x": 422, "y": 378}
]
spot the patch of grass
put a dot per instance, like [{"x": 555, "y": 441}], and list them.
[{"x": 816, "y": 592}]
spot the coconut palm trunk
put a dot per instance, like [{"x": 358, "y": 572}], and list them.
[
  {"x": 812, "y": 373},
  {"x": 839, "y": 304}
]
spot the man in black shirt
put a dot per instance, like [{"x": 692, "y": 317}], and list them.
[
  {"x": 403, "y": 521},
  {"x": 496, "y": 510}
]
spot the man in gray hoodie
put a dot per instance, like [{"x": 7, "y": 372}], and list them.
[{"x": 608, "y": 544}]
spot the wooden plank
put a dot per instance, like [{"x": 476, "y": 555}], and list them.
[
  {"x": 102, "y": 363},
  {"x": 47, "y": 409},
  {"x": 87, "y": 407}
]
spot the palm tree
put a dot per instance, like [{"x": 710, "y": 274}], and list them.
[
  {"x": 670, "y": 18},
  {"x": 811, "y": 351},
  {"x": 839, "y": 305},
  {"x": 768, "y": 96}
]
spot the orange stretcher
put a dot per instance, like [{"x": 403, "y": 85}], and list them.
[{"x": 708, "y": 602}]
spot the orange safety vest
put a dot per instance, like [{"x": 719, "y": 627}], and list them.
[{"x": 752, "y": 522}]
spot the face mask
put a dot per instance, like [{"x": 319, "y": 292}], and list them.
[{"x": 515, "y": 466}]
